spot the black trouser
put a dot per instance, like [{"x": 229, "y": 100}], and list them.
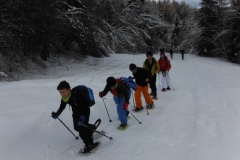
[
  {"x": 171, "y": 55},
  {"x": 182, "y": 56},
  {"x": 84, "y": 133},
  {"x": 153, "y": 85}
]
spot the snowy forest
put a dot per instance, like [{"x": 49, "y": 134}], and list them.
[{"x": 34, "y": 33}]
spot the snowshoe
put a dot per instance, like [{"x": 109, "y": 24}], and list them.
[
  {"x": 89, "y": 149},
  {"x": 97, "y": 123},
  {"x": 138, "y": 109},
  {"x": 122, "y": 127}
]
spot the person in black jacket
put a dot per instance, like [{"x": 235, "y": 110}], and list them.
[
  {"x": 182, "y": 53},
  {"x": 121, "y": 96},
  {"x": 142, "y": 77},
  {"x": 171, "y": 53},
  {"x": 81, "y": 112}
]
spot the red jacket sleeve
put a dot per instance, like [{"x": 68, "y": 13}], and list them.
[{"x": 168, "y": 65}]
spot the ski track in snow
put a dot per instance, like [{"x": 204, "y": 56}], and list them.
[{"x": 198, "y": 121}]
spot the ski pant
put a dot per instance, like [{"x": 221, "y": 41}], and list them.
[
  {"x": 182, "y": 56},
  {"x": 165, "y": 80},
  {"x": 84, "y": 133},
  {"x": 119, "y": 101},
  {"x": 138, "y": 92},
  {"x": 153, "y": 85}
]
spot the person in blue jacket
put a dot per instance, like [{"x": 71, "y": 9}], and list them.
[{"x": 121, "y": 96}]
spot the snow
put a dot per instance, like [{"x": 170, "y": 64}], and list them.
[{"x": 198, "y": 121}]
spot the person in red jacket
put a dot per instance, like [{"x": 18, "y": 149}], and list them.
[{"x": 165, "y": 66}]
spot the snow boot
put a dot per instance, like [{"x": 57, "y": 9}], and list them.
[
  {"x": 122, "y": 127},
  {"x": 168, "y": 88},
  {"x": 150, "y": 106},
  {"x": 163, "y": 90},
  {"x": 88, "y": 148},
  {"x": 137, "y": 109}
]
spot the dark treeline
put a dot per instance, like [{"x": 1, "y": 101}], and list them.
[
  {"x": 30, "y": 31},
  {"x": 218, "y": 32}
]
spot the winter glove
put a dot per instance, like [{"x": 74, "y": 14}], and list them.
[
  {"x": 81, "y": 120},
  {"x": 101, "y": 94},
  {"x": 55, "y": 115},
  {"x": 125, "y": 106}
]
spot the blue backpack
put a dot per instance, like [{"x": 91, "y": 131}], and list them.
[
  {"x": 87, "y": 94},
  {"x": 128, "y": 82}
]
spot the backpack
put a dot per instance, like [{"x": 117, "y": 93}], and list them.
[
  {"x": 87, "y": 94},
  {"x": 128, "y": 83}
]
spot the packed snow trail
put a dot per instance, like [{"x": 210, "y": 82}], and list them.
[{"x": 198, "y": 121}]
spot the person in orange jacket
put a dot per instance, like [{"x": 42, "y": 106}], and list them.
[{"x": 165, "y": 67}]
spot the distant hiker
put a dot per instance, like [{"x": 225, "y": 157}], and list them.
[
  {"x": 142, "y": 77},
  {"x": 165, "y": 66},
  {"x": 171, "y": 53},
  {"x": 182, "y": 53},
  {"x": 161, "y": 50},
  {"x": 121, "y": 96},
  {"x": 78, "y": 98},
  {"x": 151, "y": 64}
]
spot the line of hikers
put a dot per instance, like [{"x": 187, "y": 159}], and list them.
[{"x": 81, "y": 98}]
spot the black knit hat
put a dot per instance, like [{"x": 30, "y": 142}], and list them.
[
  {"x": 111, "y": 81},
  {"x": 149, "y": 53},
  {"x": 162, "y": 53},
  {"x": 132, "y": 67}
]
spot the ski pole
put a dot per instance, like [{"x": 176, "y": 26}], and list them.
[
  {"x": 135, "y": 118},
  {"x": 67, "y": 128},
  {"x": 133, "y": 100},
  {"x": 147, "y": 109},
  {"x": 170, "y": 81},
  {"x": 97, "y": 131},
  {"x": 107, "y": 110},
  {"x": 159, "y": 80}
]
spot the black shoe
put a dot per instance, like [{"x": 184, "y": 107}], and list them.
[
  {"x": 89, "y": 148},
  {"x": 168, "y": 88},
  {"x": 163, "y": 90},
  {"x": 154, "y": 98},
  {"x": 137, "y": 109}
]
